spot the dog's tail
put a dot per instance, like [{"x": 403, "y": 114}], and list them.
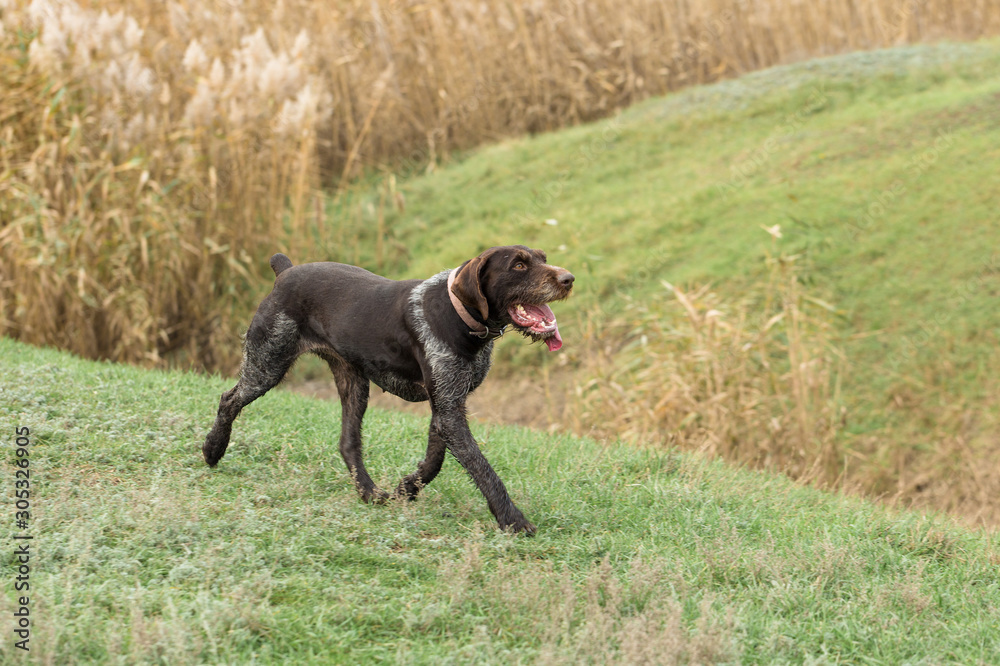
[{"x": 280, "y": 262}]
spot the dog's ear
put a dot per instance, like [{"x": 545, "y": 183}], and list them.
[{"x": 468, "y": 286}]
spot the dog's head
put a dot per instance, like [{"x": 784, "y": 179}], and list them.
[{"x": 512, "y": 285}]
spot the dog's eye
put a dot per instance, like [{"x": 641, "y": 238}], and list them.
[{"x": 520, "y": 266}]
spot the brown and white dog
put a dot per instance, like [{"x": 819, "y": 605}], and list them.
[{"x": 417, "y": 339}]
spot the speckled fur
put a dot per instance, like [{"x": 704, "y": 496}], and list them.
[
  {"x": 454, "y": 377},
  {"x": 420, "y": 350}
]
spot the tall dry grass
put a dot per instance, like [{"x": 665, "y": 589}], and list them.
[
  {"x": 137, "y": 208},
  {"x": 153, "y": 154},
  {"x": 758, "y": 382},
  {"x": 754, "y": 382}
]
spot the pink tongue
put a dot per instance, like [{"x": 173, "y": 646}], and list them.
[
  {"x": 544, "y": 313},
  {"x": 555, "y": 342}
]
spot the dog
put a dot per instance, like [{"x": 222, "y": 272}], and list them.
[{"x": 417, "y": 339}]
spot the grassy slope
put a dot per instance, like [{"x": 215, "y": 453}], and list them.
[
  {"x": 145, "y": 555},
  {"x": 881, "y": 168}
]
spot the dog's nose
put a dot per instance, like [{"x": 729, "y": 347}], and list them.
[{"x": 566, "y": 279}]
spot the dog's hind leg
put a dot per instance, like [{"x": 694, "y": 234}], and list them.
[
  {"x": 353, "y": 388},
  {"x": 268, "y": 352}
]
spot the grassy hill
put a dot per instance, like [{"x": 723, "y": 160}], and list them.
[
  {"x": 144, "y": 555},
  {"x": 882, "y": 170}
]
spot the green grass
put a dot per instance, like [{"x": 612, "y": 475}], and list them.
[
  {"x": 881, "y": 168},
  {"x": 144, "y": 555}
]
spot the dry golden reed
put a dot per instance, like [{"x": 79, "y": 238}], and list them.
[
  {"x": 700, "y": 374},
  {"x": 153, "y": 154},
  {"x": 758, "y": 382}
]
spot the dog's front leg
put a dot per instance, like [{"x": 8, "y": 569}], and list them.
[
  {"x": 428, "y": 467},
  {"x": 451, "y": 422}
]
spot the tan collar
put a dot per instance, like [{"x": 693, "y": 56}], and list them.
[
  {"x": 460, "y": 309},
  {"x": 479, "y": 330}
]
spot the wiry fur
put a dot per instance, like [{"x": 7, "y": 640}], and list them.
[
  {"x": 455, "y": 377},
  {"x": 407, "y": 338}
]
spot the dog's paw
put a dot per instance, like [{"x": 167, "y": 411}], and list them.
[
  {"x": 405, "y": 494},
  {"x": 375, "y": 496},
  {"x": 212, "y": 452},
  {"x": 520, "y": 526},
  {"x": 408, "y": 489}
]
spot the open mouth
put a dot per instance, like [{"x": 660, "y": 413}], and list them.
[{"x": 538, "y": 322}]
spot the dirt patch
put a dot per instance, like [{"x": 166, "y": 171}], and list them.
[{"x": 536, "y": 403}]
